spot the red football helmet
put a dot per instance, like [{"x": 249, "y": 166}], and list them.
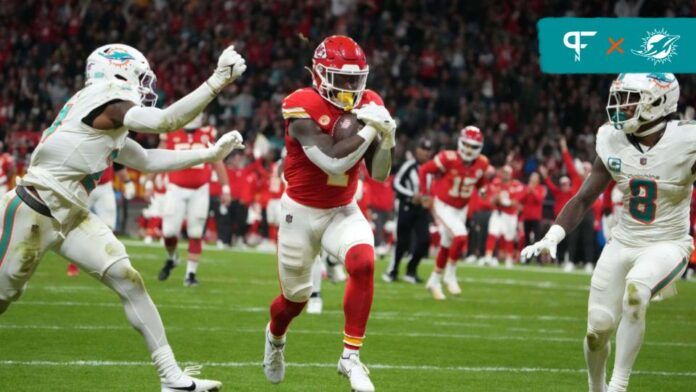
[
  {"x": 339, "y": 71},
  {"x": 470, "y": 143}
]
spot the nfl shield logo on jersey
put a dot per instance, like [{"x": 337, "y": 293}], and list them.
[
  {"x": 643, "y": 160},
  {"x": 288, "y": 218}
]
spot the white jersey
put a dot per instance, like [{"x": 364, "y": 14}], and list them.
[
  {"x": 71, "y": 156},
  {"x": 656, "y": 183}
]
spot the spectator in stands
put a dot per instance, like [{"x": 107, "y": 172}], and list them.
[{"x": 532, "y": 206}]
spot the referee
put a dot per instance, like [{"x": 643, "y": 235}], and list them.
[{"x": 412, "y": 234}]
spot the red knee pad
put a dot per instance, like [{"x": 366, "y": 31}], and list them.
[
  {"x": 459, "y": 243},
  {"x": 170, "y": 242},
  {"x": 360, "y": 260},
  {"x": 441, "y": 258},
  {"x": 195, "y": 246}
]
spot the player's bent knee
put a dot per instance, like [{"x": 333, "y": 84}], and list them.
[
  {"x": 298, "y": 293},
  {"x": 636, "y": 300},
  {"x": 124, "y": 276},
  {"x": 600, "y": 321},
  {"x": 360, "y": 260}
]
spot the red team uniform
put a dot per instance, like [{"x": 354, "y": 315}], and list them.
[
  {"x": 458, "y": 174},
  {"x": 319, "y": 211},
  {"x": 507, "y": 194},
  {"x": 187, "y": 198}
]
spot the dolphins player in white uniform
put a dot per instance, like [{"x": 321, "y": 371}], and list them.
[
  {"x": 653, "y": 161},
  {"x": 48, "y": 209}
]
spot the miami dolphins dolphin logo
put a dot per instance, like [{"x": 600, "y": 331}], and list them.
[
  {"x": 117, "y": 55},
  {"x": 659, "y": 46}
]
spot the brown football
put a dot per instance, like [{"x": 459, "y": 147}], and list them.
[{"x": 347, "y": 125}]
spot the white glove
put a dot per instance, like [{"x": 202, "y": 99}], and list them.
[
  {"x": 546, "y": 244},
  {"x": 378, "y": 116},
  {"x": 231, "y": 65},
  {"x": 224, "y": 146},
  {"x": 129, "y": 190}
]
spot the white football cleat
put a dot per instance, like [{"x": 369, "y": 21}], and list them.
[
  {"x": 568, "y": 267},
  {"x": 452, "y": 286},
  {"x": 273, "y": 359},
  {"x": 450, "y": 279},
  {"x": 509, "y": 264},
  {"x": 471, "y": 259},
  {"x": 435, "y": 288},
  {"x": 315, "y": 305},
  {"x": 354, "y": 370},
  {"x": 187, "y": 383}
]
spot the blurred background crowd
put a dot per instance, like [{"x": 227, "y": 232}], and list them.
[{"x": 439, "y": 64}]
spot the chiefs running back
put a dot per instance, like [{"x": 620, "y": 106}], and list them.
[{"x": 318, "y": 209}]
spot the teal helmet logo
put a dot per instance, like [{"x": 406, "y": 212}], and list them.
[{"x": 117, "y": 55}]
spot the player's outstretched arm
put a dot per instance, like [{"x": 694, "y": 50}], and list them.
[
  {"x": 161, "y": 160},
  {"x": 154, "y": 120},
  {"x": 330, "y": 156},
  {"x": 573, "y": 212}
]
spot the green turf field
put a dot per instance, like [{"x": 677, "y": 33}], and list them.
[{"x": 517, "y": 330}]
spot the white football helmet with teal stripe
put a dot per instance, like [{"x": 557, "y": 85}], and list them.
[
  {"x": 653, "y": 95},
  {"x": 122, "y": 62}
]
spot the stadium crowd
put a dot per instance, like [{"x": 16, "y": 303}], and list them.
[{"x": 441, "y": 65}]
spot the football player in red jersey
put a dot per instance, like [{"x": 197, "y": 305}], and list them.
[
  {"x": 318, "y": 209},
  {"x": 506, "y": 194},
  {"x": 460, "y": 173},
  {"x": 188, "y": 197}
]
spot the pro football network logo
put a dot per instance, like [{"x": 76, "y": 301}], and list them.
[
  {"x": 572, "y": 40},
  {"x": 658, "y": 46}
]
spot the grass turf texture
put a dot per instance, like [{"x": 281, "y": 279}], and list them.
[{"x": 518, "y": 330}]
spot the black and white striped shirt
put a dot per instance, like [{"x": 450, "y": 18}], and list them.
[{"x": 406, "y": 181}]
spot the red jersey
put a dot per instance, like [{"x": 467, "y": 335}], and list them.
[
  {"x": 276, "y": 186},
  {"x": 236, "y": 177},
  {"x": 533, "y": 203},
  {"x": 508, "y": 195},
  {"x": 196, "y": 176},
  {"x": 307, "y": 184},
  {"x": 6, "y": 165},
  {"x": 107, "y": 175},
  {"x": 458, "y": 179},
  {"x": 381, "y": 193}
]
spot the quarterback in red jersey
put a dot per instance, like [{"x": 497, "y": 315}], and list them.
[
  {"x": 459, "y": 173},
  {"x": 318, "y": 209},
  {"x": 507, "y": 194},
  {"x": 188, "y": 197}
]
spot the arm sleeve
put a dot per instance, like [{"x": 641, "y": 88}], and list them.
[
  {"x": 158, "y": 160},
  {"x": 336, "y": 166},
  {"x": 381, "y": 164},
  {"x": 552, "y": 187},
  {"x": 180, "y": 113},
  {"x": 570, "y": 168},
  {"x": 429, "y": 167}
]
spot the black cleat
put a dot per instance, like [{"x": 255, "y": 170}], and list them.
[
  {"x": 167, "y": 269},
  {"x": 190, "y": 280}
]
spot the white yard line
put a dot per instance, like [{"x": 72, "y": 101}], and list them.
[
  {"x": 469, "y": 336},
  {"x": 382, "y": 366}
]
